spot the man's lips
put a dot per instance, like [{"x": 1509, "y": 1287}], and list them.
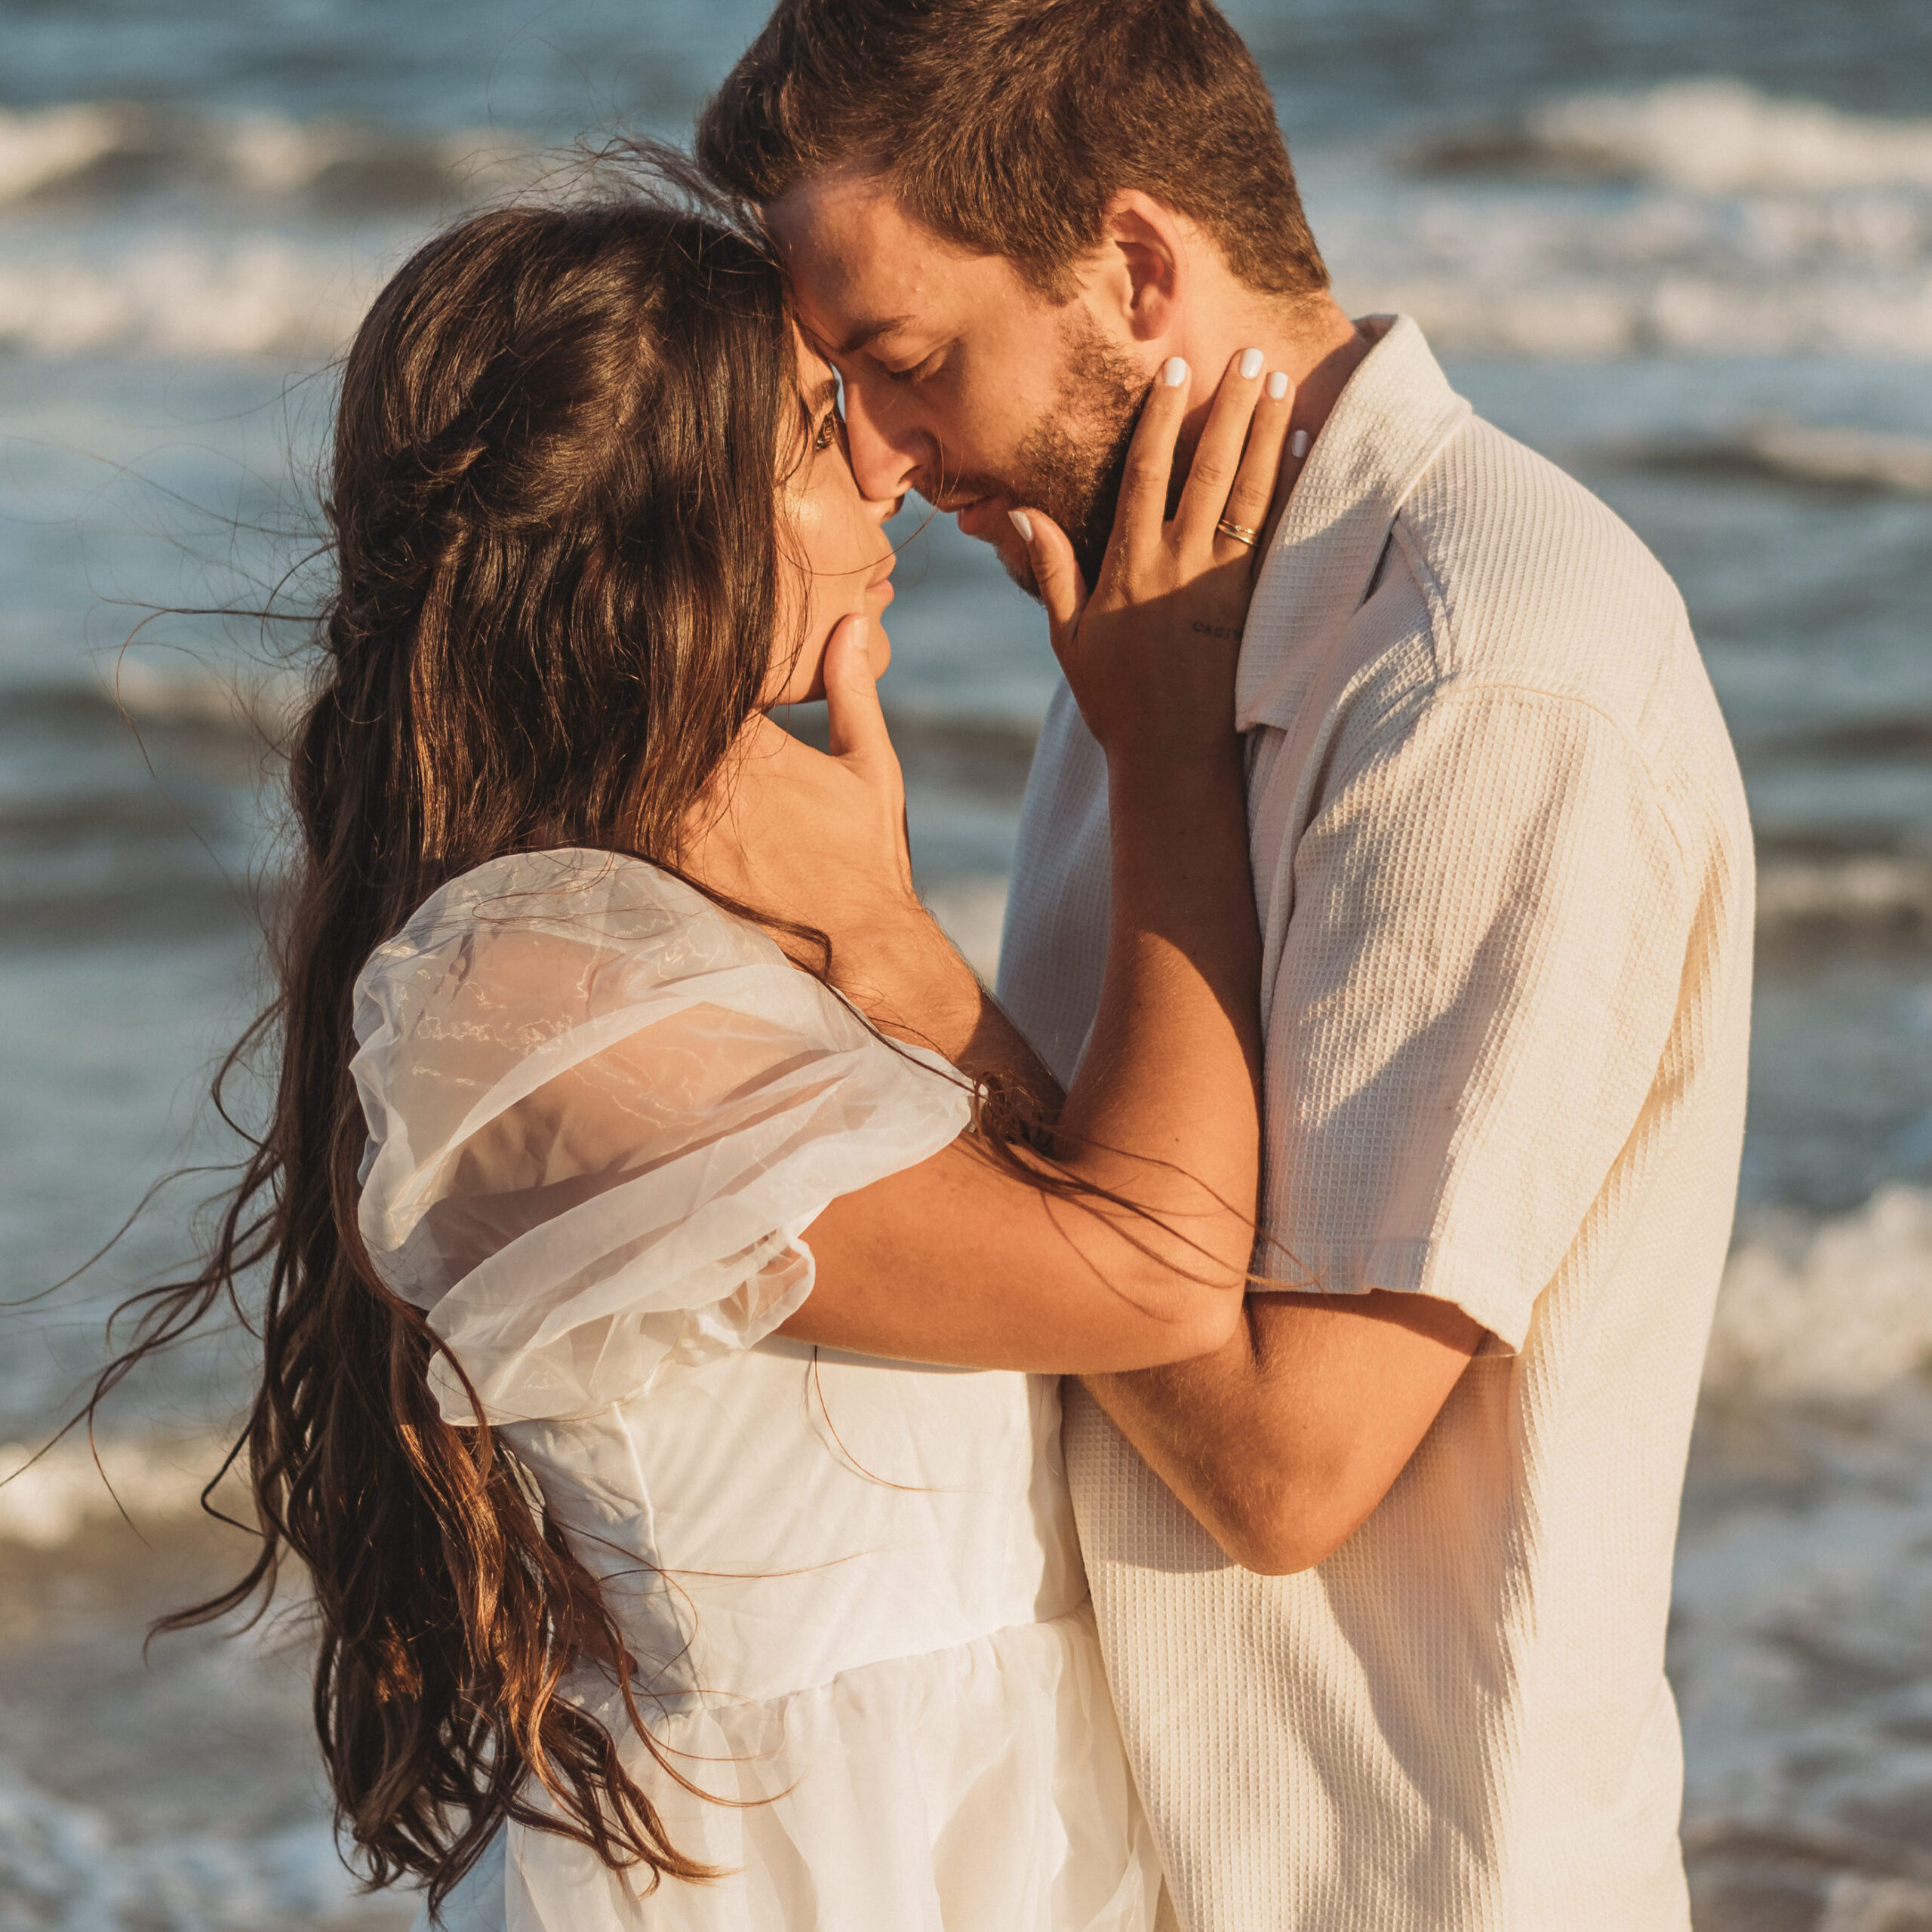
[
  {"x": 983, "y": 517},
  {"x": 980, "y": 513}
]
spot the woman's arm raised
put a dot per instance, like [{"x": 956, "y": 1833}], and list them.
[{"x": 970, "y": 1259}]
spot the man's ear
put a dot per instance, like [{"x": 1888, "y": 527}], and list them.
[{"x": 1143, "y": 267}]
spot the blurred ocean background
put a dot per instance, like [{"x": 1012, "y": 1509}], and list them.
[{"x": 1685, "y": 247}]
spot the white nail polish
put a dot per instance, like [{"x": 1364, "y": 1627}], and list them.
[
  {"x": 1298, "y": 444},
  {"x": 1278, "y": 385},
  {"x": 1174, "y": 372},
  {"x": 1250, "y": 364},
  {"x": 1022, "y": 522}
]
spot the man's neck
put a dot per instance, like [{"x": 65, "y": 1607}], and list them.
[
  {"x": 1321, "y": 357},
  {"x": 1316, "y": 342}
]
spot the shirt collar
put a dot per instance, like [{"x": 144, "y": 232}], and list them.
[{"x": 1386, "y": 428}]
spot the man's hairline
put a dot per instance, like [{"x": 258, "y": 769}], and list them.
[{"x": 871, "y": 170}]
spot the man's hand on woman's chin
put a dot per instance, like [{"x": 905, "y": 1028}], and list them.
[{"x": 818, "y": 839}]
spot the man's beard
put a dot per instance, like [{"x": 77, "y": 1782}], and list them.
[{"x": 1070, "y": 462}]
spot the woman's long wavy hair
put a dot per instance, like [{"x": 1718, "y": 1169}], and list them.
[{"x": 553, "y": 508}]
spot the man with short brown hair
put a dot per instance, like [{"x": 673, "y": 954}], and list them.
[
  {"x": 1011, "y": 129},
  {"x": 1383, "y": 1586}
]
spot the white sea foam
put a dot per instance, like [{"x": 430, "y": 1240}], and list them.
[
  {"x": 41, "y": 147},
  {"x": 47, "y": 1499},
  {"x": 117, "y": 148},
  {"x": 1718, "y": 137},
  {"x": 1561, "y": 316},
  {"x": 260, "y": 702},
  {"x": 1865, "y": 890},
  {"x": 1750, "y": 226},
  {"x": 1754, "y": 227},
  {"x": 183, "y": 294},
  {"x": 1836, "y": 1309},
  {"x": 240, "y": 247},
  {"x": 1544, "y": 273},
  {"x": 1801, "y": 1603},
  {"x": 1710, "y": 136},
  {"x": 1889, "y": 461},
  {"x": 972, "y": 911},
  {"x": 65, "y": 1869}
]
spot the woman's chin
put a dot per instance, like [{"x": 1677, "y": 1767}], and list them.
[{"x": 802, "y": 688}]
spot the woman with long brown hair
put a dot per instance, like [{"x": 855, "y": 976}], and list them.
[{"x": 662, "y": 1300}]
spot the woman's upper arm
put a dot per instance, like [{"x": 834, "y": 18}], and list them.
[
  {"x": 964, "y": 1260},
  {"x": 596, "y": 1139}
]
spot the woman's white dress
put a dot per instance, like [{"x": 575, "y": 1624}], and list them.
[{"x": 601, "y": 1112}]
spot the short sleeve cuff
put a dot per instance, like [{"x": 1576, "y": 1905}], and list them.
[{"x": 1476, "y": 1284}]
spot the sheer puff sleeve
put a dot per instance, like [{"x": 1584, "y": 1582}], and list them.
[{"x": 601, "y": 1113}]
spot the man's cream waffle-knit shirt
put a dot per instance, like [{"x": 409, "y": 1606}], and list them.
[{"x": 1503, "y": 872}]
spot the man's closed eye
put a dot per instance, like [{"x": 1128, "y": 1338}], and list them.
[{"x": 916, "y": 372}]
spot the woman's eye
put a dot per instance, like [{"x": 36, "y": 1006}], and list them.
[{"x": 828, "y": 431}]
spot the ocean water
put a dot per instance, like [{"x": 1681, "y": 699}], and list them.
[{"x": 1682, "y": 246}]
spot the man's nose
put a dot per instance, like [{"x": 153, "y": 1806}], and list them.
[{"x": 886, "y": 453}]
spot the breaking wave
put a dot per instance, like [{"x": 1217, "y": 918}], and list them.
[
  {"x": 1834, "y": 1309},
  {"x": 260, "y": 706},
  {"x": 1813, "y": 1308},
  {"x": 126, "y": 231},
  {"x": 1696, "y": 217},
  {"x": 112, "y": 149},
  {"x": 64, "y": 1864},
  {"x": 185, "y": 294},
  {"x": 1883, "y": 462},
  {"x": 1699, "y": 217},
  {"x": 47, "y": 1500},
  {"x": 1711, "y": 136},
  {"x": 1846, "y": 893},
  {"x": 1661, "y": 272}
]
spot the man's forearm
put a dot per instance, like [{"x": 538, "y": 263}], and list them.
[
  {"x": 1282, "y": 1443},
  {"x": 1196, "y": 1423}
]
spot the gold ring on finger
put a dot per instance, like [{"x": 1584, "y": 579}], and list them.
[{"x": 1239, "y": 532}]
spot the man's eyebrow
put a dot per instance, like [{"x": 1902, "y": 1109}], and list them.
[{"x": 868, "y": 333}]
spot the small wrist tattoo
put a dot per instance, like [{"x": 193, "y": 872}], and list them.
[{"x": 1226, "y": 632}]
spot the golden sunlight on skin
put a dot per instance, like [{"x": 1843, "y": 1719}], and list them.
[
  {"x": 952, "y": 360},
  {"x": 949, "y": 359},
  {"x": 836, "y": 560}
]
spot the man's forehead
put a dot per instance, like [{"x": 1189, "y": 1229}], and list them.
[
  {"x": 844, "y": 212},
  {"x": 861, "y": 265}
]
